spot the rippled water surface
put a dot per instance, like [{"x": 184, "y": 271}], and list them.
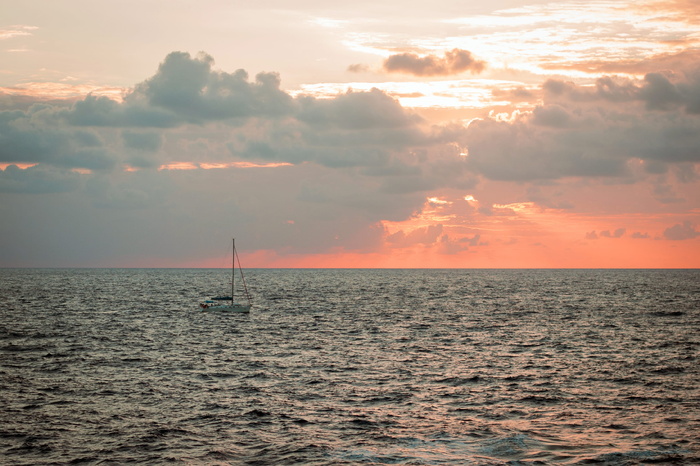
[{"x": 112, "y": 366}]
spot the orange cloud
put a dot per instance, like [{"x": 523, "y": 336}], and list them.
[
  {"x": 684, "y": 60},
  {"x": 47, "y": 91},
  {"x": 16, "y": 31},
  {"x": 676, "y": 10}
]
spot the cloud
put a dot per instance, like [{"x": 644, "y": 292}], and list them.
[
  {"x": 424, "y": 235},
  {"x": 552, "y": 115},
  {"x": 473, "y": 241},
  {"x": 448, "y": 246},
  {"x": 190, "y": 88},
  {"x": 582, "y": 131},
  {"x": 16, "y": 31},
  {"x": 663, "y": 62},
  {"x": 34, "y": 137},
  {"x": 639, "y": 235},
  {"x": 38, "y": 180},
  {"x": 145, "y": 141},
  {"x": 681, "y": 231},
  {"x": 352, "y": 160},
  {"x": 186, "y": 90},
  {"x": 577, "y": 131},
  {"x": 657, "y": 91},
  {"x": 187, "y": 96},
  {"x": 517, "y": 94},
  {"x": 358, "y": 68},
  {"x": 674, "y": 10},
  {"x": 356, "y": 111},
  {"x": 353, "y": 129},
  {"x": 619, "y": 233},
  {"x": 524, "y": 150},
  {"x": 454, "y": 62}
]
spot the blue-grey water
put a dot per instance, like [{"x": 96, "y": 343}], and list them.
[{"x": 332, "y": 367}]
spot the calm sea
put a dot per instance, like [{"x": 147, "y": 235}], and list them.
[{"x": 332, "y": 367}]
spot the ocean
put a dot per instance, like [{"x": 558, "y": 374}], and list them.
[{"x": 343, "y": 367}]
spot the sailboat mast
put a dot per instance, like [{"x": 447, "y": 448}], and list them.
[{"x": 233, "y": 268}]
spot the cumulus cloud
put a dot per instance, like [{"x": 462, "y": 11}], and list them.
[
  {"x": 187, "y": 90},
  {"x": 192, "y": 89},
  {"x": 681, "y": 231},
  {"x": 593, "y": 131},
  {"x": 186, "y": 96},
  {"x": 619, "y": 233},
  {"x": 454, "y": 62}
]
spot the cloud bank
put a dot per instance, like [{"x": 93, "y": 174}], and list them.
[{"x": 347, "y": 164}]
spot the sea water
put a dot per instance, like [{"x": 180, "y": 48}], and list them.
[{"x": 483, "y": 367}]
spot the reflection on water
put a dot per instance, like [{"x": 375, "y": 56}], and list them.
[{"x": 351, "y": 366}]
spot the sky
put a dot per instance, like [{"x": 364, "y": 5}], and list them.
[{"x": 481, "y": 134}]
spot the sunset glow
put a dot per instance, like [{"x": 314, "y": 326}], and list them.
[{"x": 496, "y": 134}]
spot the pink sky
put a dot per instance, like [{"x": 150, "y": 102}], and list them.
[{"x": 507, "y": 133}]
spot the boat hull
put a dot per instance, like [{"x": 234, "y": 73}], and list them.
[{"x": 227, "y": 308}]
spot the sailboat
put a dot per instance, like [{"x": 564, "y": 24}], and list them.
[{"x": 228, "y": 303}]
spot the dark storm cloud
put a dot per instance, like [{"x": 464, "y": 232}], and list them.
[{"x": 454, "y": 62}]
